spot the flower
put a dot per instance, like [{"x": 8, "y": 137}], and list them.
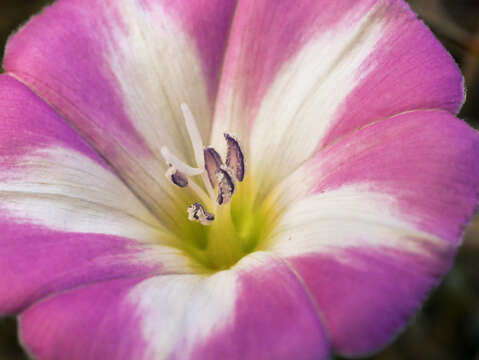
[{"x": 318, "y": 182}]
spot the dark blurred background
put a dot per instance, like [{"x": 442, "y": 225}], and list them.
[{"x": 447, "y": 327}]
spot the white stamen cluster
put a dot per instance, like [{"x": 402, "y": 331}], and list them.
[{"x": 210, "y": 166}]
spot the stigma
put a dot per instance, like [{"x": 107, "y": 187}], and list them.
[{"x": 219, "y": 178}]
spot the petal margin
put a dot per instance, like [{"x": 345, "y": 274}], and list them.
[
  {"x": 66, "y": 219},
  {"x": 257, "y": 310},
  {"x": 382, "y": 213},
  {"x": 118, "y": 72},
  {"x": 297, "y": 77}
]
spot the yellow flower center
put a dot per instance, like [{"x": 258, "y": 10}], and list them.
[{"x": 225, "y": 222}]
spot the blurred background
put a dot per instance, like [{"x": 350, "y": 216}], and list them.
[{"x": 447, "y": 327}]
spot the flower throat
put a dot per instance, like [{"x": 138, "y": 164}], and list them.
[{"x": 230, "y": 229}]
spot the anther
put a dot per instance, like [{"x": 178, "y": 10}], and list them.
[
  {"x": 226, "y": 186},
  {"x": 197, "y": 212},
  {"x": 177, "y": 177},
  {"x": 234, "y": 157},
  {"x": 213, "y": 163}
]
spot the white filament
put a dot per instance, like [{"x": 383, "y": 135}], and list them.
[{"x": 178, "y": 164}]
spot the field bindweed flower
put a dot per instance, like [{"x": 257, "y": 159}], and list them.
[{"x": 221, "y": 179}]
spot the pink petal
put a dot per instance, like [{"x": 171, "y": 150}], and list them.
[
  {"x": 426, "y": 160},
  {"x": 27, "y": 123},
  {"x": 92, "y": 322},
  {"x": 409, "y": 69},
  {"x": 257, "y": 310},
  {"x": 367, "y": 295},
  {"x": 208, "y": 23},
  {"x": 66, "y": 219},
  {"x": 119, "y": 77},
  {"x": 297, "y": 77},
  {"x": 382, "y": 213}
]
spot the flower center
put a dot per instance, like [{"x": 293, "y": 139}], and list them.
[{"x": 223, "y": 222}]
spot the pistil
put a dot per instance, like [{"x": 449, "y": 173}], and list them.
[{"x": 197, "y": 143}]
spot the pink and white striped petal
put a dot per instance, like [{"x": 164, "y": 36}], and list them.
[
  {"x": 118, "y": 71},
  {"x": 297, "y": 77},
  {"x": 256, "y": 310},
  {"x": 382, "y": 212},
  {"x": 66, "y": 219}
]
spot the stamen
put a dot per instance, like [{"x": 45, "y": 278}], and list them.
[
  {"x": 197, "y": 212},
  {"x": 213, "y": 163},
  {"x": 176, "y": 176},
  {"x": 186, "y": 171},
  {"x": 234, "y": 157},
  {"x": 178, "y": 164},
  {"x": 226, "y": 186},
  {"x": 217, "y": 174}
]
